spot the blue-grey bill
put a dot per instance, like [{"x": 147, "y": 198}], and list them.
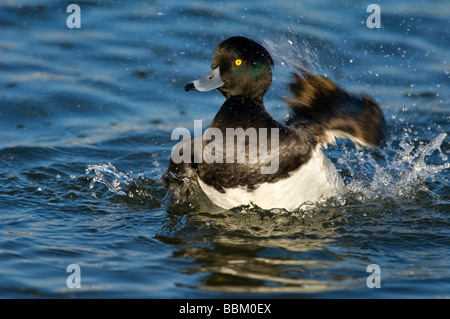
[{"x": 209, "y": 82}]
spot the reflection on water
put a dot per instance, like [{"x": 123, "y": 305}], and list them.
[{"x": 251, "y": 250}]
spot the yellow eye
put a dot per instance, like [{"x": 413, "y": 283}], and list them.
[{"x": 238, "y": 62}]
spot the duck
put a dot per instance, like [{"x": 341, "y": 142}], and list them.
[{"x": 241, "y": 69}]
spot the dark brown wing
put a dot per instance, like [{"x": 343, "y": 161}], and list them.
[{"x": 329, "y": 112}]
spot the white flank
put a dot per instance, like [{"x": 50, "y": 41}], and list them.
[{"x": 315, "y": 180}]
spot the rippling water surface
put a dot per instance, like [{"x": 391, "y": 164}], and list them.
[{"x": 85, "y": 122}]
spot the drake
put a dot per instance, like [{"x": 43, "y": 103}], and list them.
[{"x": 241, "y": 70}]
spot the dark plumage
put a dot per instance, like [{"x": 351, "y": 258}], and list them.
[
  {"x": 241, "y": 71},
  {"x": 322, "y": 107}
]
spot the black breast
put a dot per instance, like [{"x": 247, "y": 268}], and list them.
[{"x": 294, "y": 150}]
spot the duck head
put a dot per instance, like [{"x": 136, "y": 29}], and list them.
[{"x": 240, "y": 67}]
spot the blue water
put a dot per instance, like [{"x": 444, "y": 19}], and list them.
[{"x": 85, "y": 122}]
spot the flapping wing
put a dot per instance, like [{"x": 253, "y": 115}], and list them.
[{"x": 330, "y": 112}]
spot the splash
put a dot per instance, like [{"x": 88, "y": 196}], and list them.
[
  {"x": 396, "y": 172},
  {"x": 293, "y": 51},
  {"x": 120, "y": 183},
  {"x": 108, "y": 175}
]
